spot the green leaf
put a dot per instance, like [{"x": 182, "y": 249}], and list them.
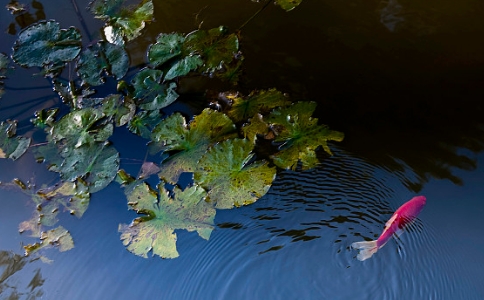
[
  {"x": 76, "y": 98},
  {"x": 3, "y": 71},
  {"x": 256, "y": 126},
  {"x": 44, "y": 118},
  {"x": 119, "y": 108},
  {"x": 58, "y": 237},
  {"x": 10, "y": 146},
  {"x": 81, "y": 127},
  {"x": 100, "y": 57},
  {"x": 229, "y": 178},
  {"x": 261, "y": 102},
  {"x": 167, "y": 46},
  {"x": 123, "y": 21},
  {"x": 193, "y": 140},
  {"x": 183, "y": 67},
  {"x": 155, "y": 232},
  {"x": 288, "y": 4},
  {"x": 301, "y": 135},
  {"x": 216, "y": 48},
  {"x": 97, "y": 164},
  {"x": 143, "y": 123},
  {"x": 150, "y": 93},
  {"x": 44, "y": 44}
]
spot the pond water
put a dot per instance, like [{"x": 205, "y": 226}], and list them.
[{"x": 403, "y": 80}]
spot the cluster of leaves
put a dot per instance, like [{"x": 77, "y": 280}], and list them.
[{"x": 216, "y": 147}]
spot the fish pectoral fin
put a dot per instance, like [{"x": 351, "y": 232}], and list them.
[{"x": 392, "y": 219}]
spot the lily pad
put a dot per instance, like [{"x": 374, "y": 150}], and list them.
[
  {"x": 99, "y": 58},
  {"x": 120, "y": 109},
  {"x": 58, "y": 237},
  {"x": 155, "y": 232},
  {"x": 123, "y": 21},
  {"x": 12, "y": 146},
  {"x": 216, "y": 47},
  {"x": 150, "y": 93},
  {"x": 288, "y": 5},
  {"x": 300, "y": 136},
  {"x": 143, "y": 123},
  {"x": 229, "y": 178},
  {"x": 167, "y": 46},
  {"x": 44, "y": 118},
  {"x": 256, "y": 126},
  {"x": 261, "y": 102},
  {"x": 3, "y": 71},
  {"x": 96, "y": 164},
  {"x": 72, "y": 95},
  {"x": 184, "y": 66},
  {"x": 192, "y": 141},
  {"x": 81, "y": 127},
  {"x": 44, "y": 44}
]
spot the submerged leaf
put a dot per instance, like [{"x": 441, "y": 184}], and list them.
[
  {"x": 301, "y": 135},
  {"x": 193, "y": 140},
  {"x": 155, "y": 231},
  {"x": 11, "y": 146},
  {"x": 58, "y": 237},
  {"x": 150, "y": 93},
  {"x": 103, "y": 56},
  {"x": 122, "y": 20},
  {"x": 44, "y": 44},
  {"x": 229, "y": 178}
]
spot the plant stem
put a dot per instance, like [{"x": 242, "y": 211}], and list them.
[{"x": 256, "y": 13}]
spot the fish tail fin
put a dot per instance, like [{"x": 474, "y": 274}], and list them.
[{"x": 367, "y": 249}]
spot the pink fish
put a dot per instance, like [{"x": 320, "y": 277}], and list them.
[{"x": 404, "y": 215}]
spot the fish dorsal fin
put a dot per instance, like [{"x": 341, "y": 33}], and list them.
[{"x": 392, "y": 219}]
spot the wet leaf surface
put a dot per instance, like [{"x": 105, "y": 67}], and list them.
[
  {"x": 300, "y": 136},
  {"x": 99, "y": 58},
  {"x": 150, "y": 93},
  {"x": 12, "y": 146},
  {"x": 44, "y": 44},
  {"x": 122, "y": 20},
  {"x": 231, "y": 180},
  {"x": 192, "y": 141},
  {"x": 154, "y": 232}
]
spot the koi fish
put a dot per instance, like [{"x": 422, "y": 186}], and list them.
[{"x": 404, "y": 215}]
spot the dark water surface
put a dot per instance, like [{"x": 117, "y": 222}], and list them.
[{"x": 403, "y": 79}]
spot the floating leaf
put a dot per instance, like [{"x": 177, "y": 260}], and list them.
[
  {"x": 148, "y": 168},
  {"x": 100, "y": 57},
  {"x": 97, "y": 164},
  {"x": 229, "y": 178},
  {"x": 261, "y": 102},
  {"x": 81, "y": 127},
  {"x": 193, "y": 140},
  {"x": 73, "y": 96},
  {"x": 150, "y": 93},
  {"x": 44, "y": 44},
  {"x": 301, "y": 135},
  {"x": 167, "y": 46},
  {"x": 44, "y": 118},
  {"x": 3, "y": 71},
  {"x": 288, "y": 4},
  {"x": 256, "y": 126},
  {"x": 184, "y": 66},
  {"x": 58, "y": 237},
  {"x": 119, "y": 108},
  {"x": 10, "y": 146},
  {"x": 143, "y": 123},
  {"x": 122, "y": 20},
  {"x": 155, "y": 232},
  {"x": 217, "y": 48}
]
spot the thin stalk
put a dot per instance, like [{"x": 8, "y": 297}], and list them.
[{"x": 256, "y": 13}]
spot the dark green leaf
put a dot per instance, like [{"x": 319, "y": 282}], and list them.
[
  {"x": 229, "y": 178},
  {"x": 167, "y": 46},
  {"x": 44, "y": 44},
  {"x": 11, "y": 146},
  {"x": 150, "y": 93},
  {"x": 101, "y": 57},
  {"x": 44, "y": 118},
  {"x": 143, "y": 123}
]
